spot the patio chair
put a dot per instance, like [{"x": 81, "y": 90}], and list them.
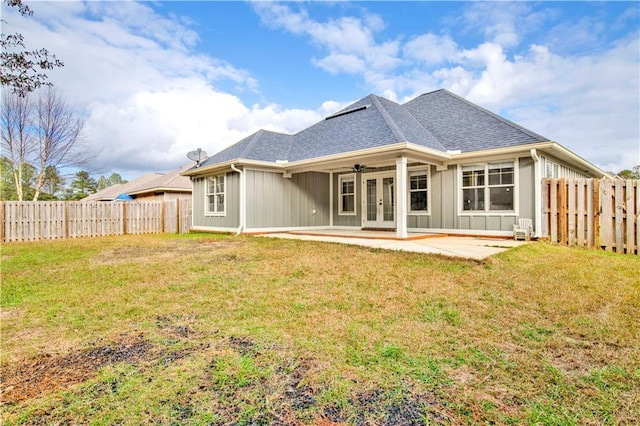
[{"x": 523, "y": 230}]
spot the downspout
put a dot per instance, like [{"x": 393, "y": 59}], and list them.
[
  {"x": 242, "y": 199},
  {"x": 537, "y": 194}
]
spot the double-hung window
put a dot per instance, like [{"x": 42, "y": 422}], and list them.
[
  {"x": 488, "y": 187},
  {"x": 418, "y": 191},
  {"x": 215, "y": 200},
  {"x": 347, "y": 196}
]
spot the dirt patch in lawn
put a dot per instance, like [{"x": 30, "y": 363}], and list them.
[
  {"x": 49, "y": 373},
  {"x": 290, "y": 390},
  {"x": 169, "y": 250}
]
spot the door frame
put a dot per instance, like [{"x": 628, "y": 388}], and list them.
[{"x": 379, "y": 223}]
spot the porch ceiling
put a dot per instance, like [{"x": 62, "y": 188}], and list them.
[{"x": 378, "y": 159}]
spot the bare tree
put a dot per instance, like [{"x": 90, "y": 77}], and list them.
[
  {"x": 45, "y": 132},
  {"x": 18, "y": 141}
]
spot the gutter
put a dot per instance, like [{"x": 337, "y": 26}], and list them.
[
  {"x": 537, "y": 197},
  {"x": 242, "y": 198}
]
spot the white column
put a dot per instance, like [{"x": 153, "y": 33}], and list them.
[
  {"x": 331, "y": 198},
  {"x": 401, "y": 198}
]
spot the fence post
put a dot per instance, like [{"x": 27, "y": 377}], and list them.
[
  {"x": 630, "y": 217},
  {"x": 162, "y": 213},
  {"x": 124, "y": 218},
  {"x": 178, "y": 216},
  {"x": 619, "y": 209},
  {"x": 2, "y": 221}
]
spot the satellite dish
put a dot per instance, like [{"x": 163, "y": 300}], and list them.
[{"x": 198, "y": 155}]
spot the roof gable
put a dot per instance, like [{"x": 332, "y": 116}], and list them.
[
  {"x": 438, "y": 120},
  {"x": 461, "y": 125}
]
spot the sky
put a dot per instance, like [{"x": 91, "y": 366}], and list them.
[{"x": 157, "y": 79}]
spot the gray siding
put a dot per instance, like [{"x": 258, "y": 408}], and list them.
[
  {"x": 274, "y": 201},
  {"x": 346, "y": 220},
  {"x": 444, "y": 203},
  {"x": 527, "y": 187},
  {"x": 232, "y": 216}
]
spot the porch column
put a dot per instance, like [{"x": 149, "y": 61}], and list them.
[{"x": 401, "y": 198}]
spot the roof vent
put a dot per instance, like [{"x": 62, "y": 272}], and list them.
[{"x": 349, "y": 111}]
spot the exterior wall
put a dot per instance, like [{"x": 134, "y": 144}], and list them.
[
  {"x": 163, "y": 196},
  {"x": 231, "y": 219},
  {"x": 170, "y": 196},
  {"x": 274, "y": 201},
  {"x": 347, "y": 220},
  {"x": 554, "y": 168},
  {"x": 444, "y": 212}
]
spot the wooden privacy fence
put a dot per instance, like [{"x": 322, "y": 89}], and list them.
[
  {"x": 45, "y": 220},
  {"x": 592, "y": 213}
]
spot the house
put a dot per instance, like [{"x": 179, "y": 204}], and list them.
[
  {"x": 149, "y": 187},
  {"x": 437, "y": 163},
  {"x": 165, "y": 187}
]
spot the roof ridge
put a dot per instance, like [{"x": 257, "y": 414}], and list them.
[
  {"x": 254, "y": 139},
  {"x": 393, "y": 126},
  {"x": 494, "y": 115}
]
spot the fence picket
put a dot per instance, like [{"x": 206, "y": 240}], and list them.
[
  {"x": 593, "y": 213},
  {"x": 630, "y": 216},
  {"x": 619, "y": 216},
  {"x": 41, "y": 220}
]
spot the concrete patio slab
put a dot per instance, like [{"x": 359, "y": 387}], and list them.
[{"x": 477, "y": 248}]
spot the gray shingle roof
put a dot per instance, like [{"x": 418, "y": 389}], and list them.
[
  {"x": 438, "y": 120},
  {"x": 168, "y": 182},
  {"x": 111, "y": 192},
  {"x": 460, "y": 124}
]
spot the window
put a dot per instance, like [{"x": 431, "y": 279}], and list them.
[
  {"x": 347, "y": 196},
  {"x": 553, "y": 169},
  {"x": 418, "y": 188},
  {"x": 215, "y": 195},
  {"x": 493, "y": 182}
]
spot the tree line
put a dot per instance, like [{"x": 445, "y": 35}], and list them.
[{"x": 55, "y": 186}]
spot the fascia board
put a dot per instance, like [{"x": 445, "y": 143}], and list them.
[
  {"x": 569, "y": 156},
  {"x": 403, "y": 148},
  {"x": 227, "y": 165},
  {"x": 550, "y": 147},
  {"x": 159, "y": 189}
]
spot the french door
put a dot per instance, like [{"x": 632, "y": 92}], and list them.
[{"x": 379, "y": 200}]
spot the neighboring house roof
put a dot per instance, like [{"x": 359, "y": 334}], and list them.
[
  {"x": 440, "y": 125},
  {"x": 149, "y": 183},
  {"x": 112, "y": 192},
  {"x": 168, "y": 182}
]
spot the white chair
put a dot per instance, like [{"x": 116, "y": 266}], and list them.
[{"x": 523, "y": 230}]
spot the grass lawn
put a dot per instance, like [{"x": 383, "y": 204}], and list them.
[{"x": 209, "y": 329}]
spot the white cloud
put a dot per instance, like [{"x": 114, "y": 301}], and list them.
[
  {"x": 350, "y": 41},
  {"x": 586, "y": 99},
  {"x": 337, "y": 62},
  {"x": 431, "y": 49},
  {"x": 149, "y": 97}
]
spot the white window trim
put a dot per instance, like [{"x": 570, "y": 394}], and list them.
[
  {"x": 486, "y": 211},
  {"x": 207, "y": 212},
  {"x": 355, "y": 204},
  {"x": 413, "y": 170}
]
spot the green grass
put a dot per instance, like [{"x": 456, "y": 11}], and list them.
[{"x": 211, "y": 329}]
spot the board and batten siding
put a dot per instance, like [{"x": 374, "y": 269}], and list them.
[
  {"x": 274, "y": 201},
  {"x": 445, "y": 191},
  {"x": 347, "y": 220},
  {"x": 231, "y": 219}
]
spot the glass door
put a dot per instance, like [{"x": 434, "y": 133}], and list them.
[{"x": 379, "y": 201}]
